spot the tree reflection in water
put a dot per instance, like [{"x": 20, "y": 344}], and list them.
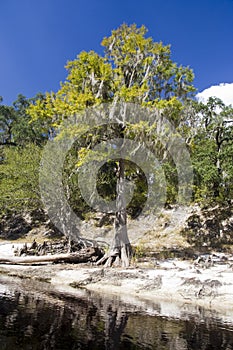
[{"x": 33, "y": 322}]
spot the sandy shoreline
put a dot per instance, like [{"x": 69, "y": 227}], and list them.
[{"x": 176, "y": 282}]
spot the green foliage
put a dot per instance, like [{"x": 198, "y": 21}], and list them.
[
  {"x": 19, "y": 171},
  {"x": 211, "y": 150},
  {"x": 16, "y": 127},
  {"x": 171, "y": 180},
  {"x": 134, "y": 69},
  {"x": 143, "y": 69}
]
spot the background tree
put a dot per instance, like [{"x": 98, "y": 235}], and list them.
[
  {"x": 16, "y": 127},
  {"x": 20, "y": 151},
  {"x": 7, "y": 119},
  {"x": 208, "y": 129},
  {"x": 19, "y": 185}
]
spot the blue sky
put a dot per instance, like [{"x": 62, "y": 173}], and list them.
[{"x": 38, "y": 37}]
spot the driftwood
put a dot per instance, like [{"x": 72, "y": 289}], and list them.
[
  {"x": 90, "y": 254},
  {"x": 56, "y": 247}
]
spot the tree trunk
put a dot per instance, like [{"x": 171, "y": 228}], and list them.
[
  {"x": 120, "y": 251},
  {"x": 121, "y": 241}
]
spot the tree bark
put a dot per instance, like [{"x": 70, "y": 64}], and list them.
[{"x": 120, "y": 252}]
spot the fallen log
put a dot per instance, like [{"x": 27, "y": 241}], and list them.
[{"x": 83, "y": 256}]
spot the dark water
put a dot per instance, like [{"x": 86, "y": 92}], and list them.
[{"x": 30, "y": 320}]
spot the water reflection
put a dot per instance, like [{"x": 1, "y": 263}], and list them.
[{"x": 31, "y": 321}]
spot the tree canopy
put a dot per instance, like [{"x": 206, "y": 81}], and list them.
[{"x": 133, "y": 68}]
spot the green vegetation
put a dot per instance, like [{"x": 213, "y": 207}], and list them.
[{"x": 19, "y": 173}]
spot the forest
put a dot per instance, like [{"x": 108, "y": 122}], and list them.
[{"x": 133, "y": 70}]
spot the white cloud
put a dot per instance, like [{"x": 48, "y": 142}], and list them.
[{"x": 223, "y": 91}]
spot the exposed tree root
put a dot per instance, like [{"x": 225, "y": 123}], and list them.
[{"x": 117, "y": 257}]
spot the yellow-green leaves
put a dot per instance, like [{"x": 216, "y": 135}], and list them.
[{"x": 134, "y": 69}]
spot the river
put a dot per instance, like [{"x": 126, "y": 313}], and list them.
[{"x": 46, "y": 320}]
